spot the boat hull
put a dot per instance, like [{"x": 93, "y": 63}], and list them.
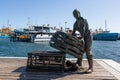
[
  {"x": 42, "y": 37},
  {"x": 106, "y": 36}
]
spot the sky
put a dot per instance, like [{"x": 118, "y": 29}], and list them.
[{"x": 19, "y": 13}]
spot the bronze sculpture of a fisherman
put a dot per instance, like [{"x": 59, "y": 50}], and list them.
[{"x": 81, "y": 25}]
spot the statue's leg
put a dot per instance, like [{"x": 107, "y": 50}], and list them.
[
  {"x": 90, "y": 62},
  {"x": 79, "y": 61},
  {"x": 88, "y": 46}
]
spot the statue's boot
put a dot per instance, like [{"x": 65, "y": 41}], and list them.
[
  {"x": 90, "y": 69},
  {"x": 79, "y": 62}
]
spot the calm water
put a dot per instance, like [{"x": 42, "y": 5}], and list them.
[{"x": 101, "y": 49}]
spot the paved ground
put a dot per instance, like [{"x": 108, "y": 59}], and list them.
[{"x": 14, "y": 69}]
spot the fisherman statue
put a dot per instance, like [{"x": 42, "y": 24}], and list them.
[{"x": 81, "y": 25}]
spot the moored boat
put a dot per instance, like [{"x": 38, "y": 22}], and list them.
[
  {"x": 42, "y": 33},
  {"x": 41, "y": 37},
  {"x": 2, "y": 35},
  {"x": 106, "y": 36}
]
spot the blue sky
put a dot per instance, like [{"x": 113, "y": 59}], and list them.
[{"x": 57, "y": 12}]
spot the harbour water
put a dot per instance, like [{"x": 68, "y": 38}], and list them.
[{"x": 100, "y": 49}]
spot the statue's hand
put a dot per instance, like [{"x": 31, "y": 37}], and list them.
[{"x": 74, "y": 36}]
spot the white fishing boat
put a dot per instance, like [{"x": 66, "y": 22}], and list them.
[
  {"x": 43, "y": 37},
  {"x": 42, "y": 33}
]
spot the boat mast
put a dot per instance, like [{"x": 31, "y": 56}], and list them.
[
  {"x": 105, "y": 25},
  {"x": 28, "y": 23}
]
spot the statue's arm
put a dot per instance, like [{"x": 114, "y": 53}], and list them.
[
  {"x": 74, "y": 29},
  {"x": 86, "y": 25}
]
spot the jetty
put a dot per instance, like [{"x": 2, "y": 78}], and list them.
[{"x": 15, "y": 69}]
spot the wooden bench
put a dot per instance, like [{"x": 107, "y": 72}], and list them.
[{"x": 45, "y": 61}]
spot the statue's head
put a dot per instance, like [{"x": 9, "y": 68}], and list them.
[{"x": 76, "y": 14}]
